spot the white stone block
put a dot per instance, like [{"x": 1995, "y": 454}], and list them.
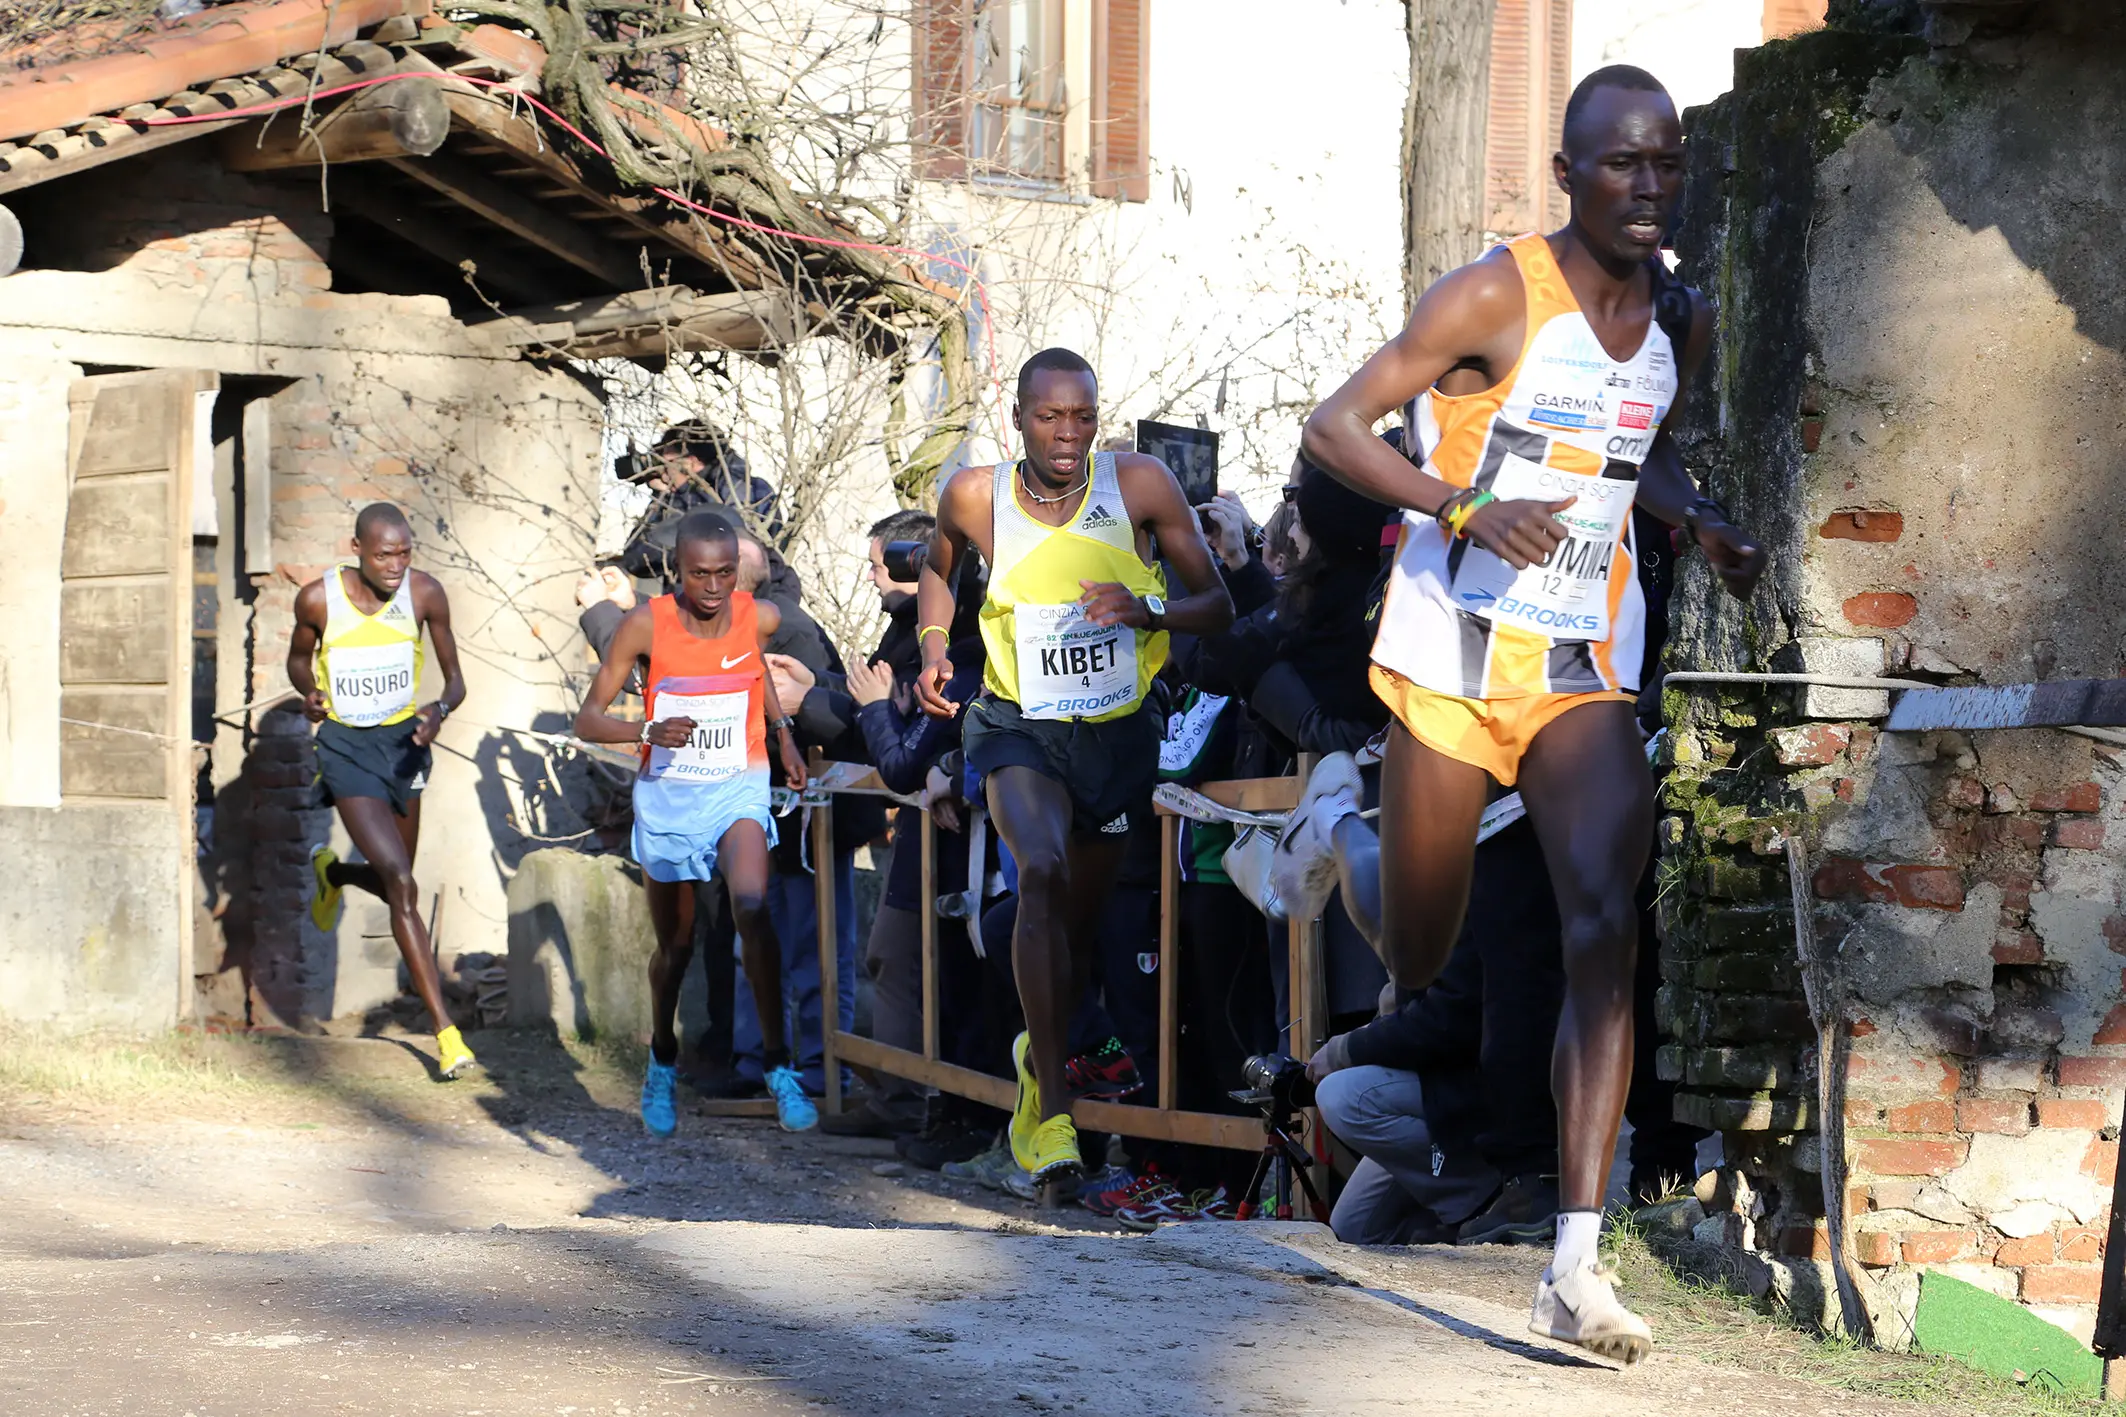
[
  {"x": 2002, "y": 1172},
  {"x": 1843, "y": 655},
  {"x": 2020, "y": 1222}
]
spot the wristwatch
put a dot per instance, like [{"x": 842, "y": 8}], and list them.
[
  {"x": 783, "y": 724},
  {"x": 1156, "y": 609}
]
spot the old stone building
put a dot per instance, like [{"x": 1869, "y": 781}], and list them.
[
  {"x": 1916, "y": 402},
  {"x": 231, "y": 327}
]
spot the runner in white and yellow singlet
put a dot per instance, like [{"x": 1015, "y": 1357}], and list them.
[
  {"x": 1075, "y": 624},
  {"x": 1511, "y": 637},
  {"x": 355, "y": 657}
]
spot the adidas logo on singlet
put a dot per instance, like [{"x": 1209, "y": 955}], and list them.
[{"x": 1100, "y": 516}]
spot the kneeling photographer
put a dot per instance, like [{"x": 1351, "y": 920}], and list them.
[{"x": 1405, "y": 1092}]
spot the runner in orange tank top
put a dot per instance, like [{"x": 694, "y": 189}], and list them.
[
  {"x": 702, "y": 794},
  {"x": 1540, "y": 378}
]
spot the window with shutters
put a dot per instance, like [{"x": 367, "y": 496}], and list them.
[
  {"x": 1044, "y": 94},
  {"x": 1015, "y": 123}
]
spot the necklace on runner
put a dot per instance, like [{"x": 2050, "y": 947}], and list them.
[{"x": 1027, "y": 488}]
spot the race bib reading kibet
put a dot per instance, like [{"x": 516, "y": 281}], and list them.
[
  {"x": 1567, "y": 597},
  {"x": 1070, "y": 667},
  {"x": 716, "y": 752},
  {"x": 370, "y": 683}
]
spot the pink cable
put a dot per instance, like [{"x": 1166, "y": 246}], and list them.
[{"x": 981, "y": 291}]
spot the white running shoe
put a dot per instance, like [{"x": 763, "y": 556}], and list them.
[
  {"x": 1303, "y": 868},
  {"x": 1582, "y": 1308}
]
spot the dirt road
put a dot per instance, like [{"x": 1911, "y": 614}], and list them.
[{"x": 310, "y": 1224}]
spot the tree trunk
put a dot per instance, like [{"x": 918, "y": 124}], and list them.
[{"x": 1446, "y": 120}]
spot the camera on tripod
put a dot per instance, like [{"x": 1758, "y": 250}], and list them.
[
  {"x": 1278, "y": 1087},
  {"x": 1276, "y": 1082}
]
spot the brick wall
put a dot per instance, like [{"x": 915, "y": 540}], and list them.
[
  {"x": 1962, "y": 895},
  {"x": 382, "y": 398}
]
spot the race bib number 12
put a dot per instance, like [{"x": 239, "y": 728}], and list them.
[
  {"x": 1070, "y": 667},
  {"x": 1567, "y": 597}
]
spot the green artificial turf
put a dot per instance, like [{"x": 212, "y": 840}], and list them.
[{"x": 1963, "y": 1321}]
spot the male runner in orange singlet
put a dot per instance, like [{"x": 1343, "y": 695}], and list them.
[{"x": 1541, "y": 378}]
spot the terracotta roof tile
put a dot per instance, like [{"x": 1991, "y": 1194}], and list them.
[{"x": 218, "y": 43}]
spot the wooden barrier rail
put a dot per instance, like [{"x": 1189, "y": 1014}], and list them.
[{"x": 1165, "y": 1121}]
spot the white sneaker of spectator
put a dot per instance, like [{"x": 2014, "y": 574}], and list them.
[{"x": 1303, "y": 868}]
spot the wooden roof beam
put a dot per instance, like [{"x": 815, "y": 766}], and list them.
[
  {"x": 366, "y": 200},
  {"x": 522, "y": 218},
  {"x": 493, "y": 121}
]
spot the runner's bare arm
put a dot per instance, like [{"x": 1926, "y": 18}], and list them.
[
  {"x": 433, "y": 607},
  {"x": 958, "y": 505},
  {"x": 1472, "y": 319},
  {"x": 1667, "y": 490},
  {"x": 631, "y": 642},
  {"x": 1157, "y": 502},
  {"x": 302, "y": 649},
  {"x": 767, "y": 619}
]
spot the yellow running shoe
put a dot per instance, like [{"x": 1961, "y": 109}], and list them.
[
  {"x": 1026, "y": 1112},
  {"x": 452, "y": 1056},
  {"x": 1055, "y": 1151},
  {"x": 325, "y": 905}
]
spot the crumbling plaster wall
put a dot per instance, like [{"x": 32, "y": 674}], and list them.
[
  {"x": 173, "y": 263},
  {"x": 1916, "y": 402}
]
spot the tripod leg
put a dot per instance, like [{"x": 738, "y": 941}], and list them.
[
  {"x": 1321, "y": 1211},
  {"x": 1246, "y": 1209}
]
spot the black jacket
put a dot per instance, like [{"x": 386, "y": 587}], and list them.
[{"x": 1436, "y": 1034}]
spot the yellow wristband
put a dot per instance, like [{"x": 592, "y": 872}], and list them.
[
  {"x": 932, "y": 630},
  {"x": 1460, "y": 517}
]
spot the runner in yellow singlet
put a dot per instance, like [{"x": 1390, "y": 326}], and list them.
[
  {"x": 1541, "y": 378},
  {"x": 1075, "y": 624},
  {"x": 355, "y": 657}
]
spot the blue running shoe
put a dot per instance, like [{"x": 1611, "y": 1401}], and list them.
[
  {"x": 660, "y": 1113},
  {"x": 792, "y": 1108}
]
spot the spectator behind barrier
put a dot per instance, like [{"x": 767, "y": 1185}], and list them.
[
  {"x": 1299, "y": 663},
  {"x": 1405, "y": 1093}
]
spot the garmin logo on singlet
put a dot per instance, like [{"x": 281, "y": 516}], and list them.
[
  {"x": 1569, "y": 411},
  {"x": 381, "y": 685},
  {"x": 1100, "y": 516},
  {"x": 1095, "y": 658}
]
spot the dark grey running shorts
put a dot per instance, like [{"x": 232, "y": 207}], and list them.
[
  {"x": 371, "y": 762},
  {"x": 1109, "y": 768}
]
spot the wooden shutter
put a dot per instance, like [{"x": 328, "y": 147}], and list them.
[
  {"x": 125, "y": 593},
  {"x": 1508, "y": 210},
  {"x": 1557, "y": 90},
  {"x": 940, "y": 88},
  {"x": 1122, "y": 163}
]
